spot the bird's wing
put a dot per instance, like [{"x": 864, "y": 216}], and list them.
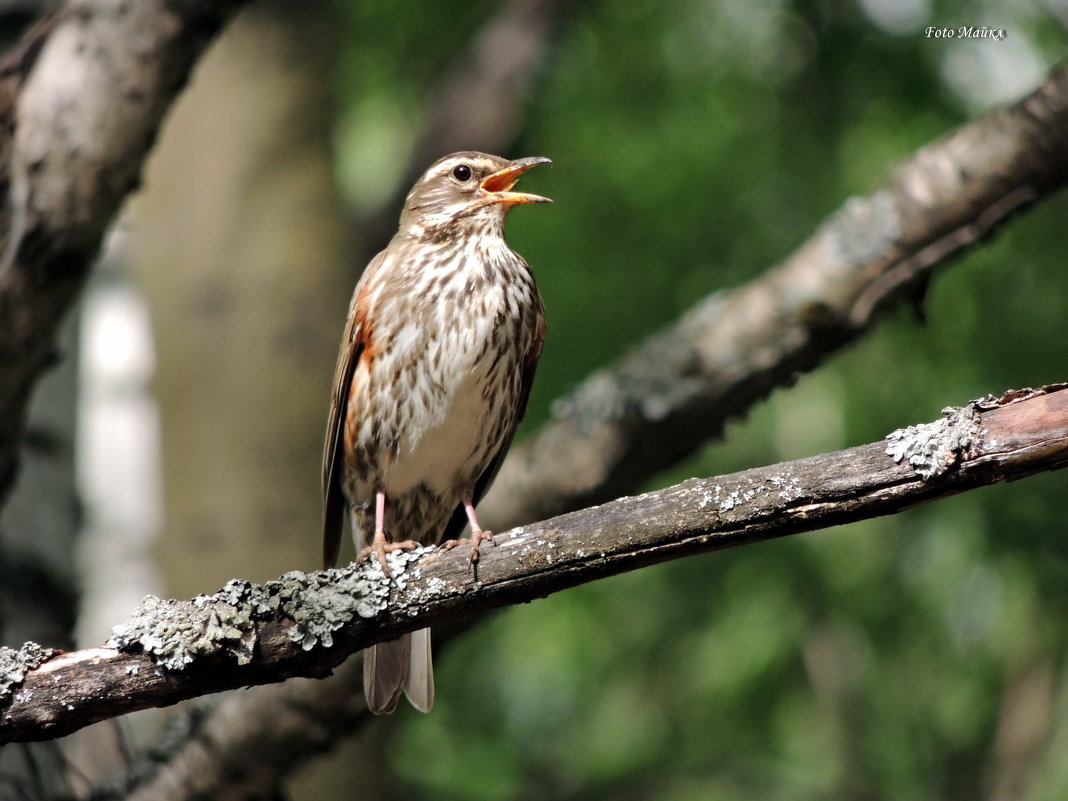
[
  {"x": 485, "y": 481},
  {"x": 352, "y": 346}
]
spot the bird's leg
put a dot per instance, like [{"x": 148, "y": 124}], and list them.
[
  {"x": 478, "y": 534},
  {"x": 379, "y": 545}
]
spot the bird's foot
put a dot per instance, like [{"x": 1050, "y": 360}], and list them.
[
  {"x": 477, "y": 538},
  {"x": 381, "y": 548}
]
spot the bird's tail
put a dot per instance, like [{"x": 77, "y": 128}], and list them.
[{"x": 402, "y": 665}]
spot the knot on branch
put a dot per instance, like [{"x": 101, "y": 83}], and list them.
[{"x": 932, "y": 448}]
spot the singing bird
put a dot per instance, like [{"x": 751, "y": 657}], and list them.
[{"x": 442, "y": 339}]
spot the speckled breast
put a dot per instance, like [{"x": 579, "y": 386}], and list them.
[{"x": 448, "y": 356}]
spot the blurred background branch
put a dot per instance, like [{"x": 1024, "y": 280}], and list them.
[
  {"x": 76, "y": 151},
  {"x": 676, "y": 390}
]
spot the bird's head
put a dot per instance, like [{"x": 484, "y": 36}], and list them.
[{"x": 466, "y": 186}]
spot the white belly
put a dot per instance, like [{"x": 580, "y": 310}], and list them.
[{"x": 445, "y": 445}]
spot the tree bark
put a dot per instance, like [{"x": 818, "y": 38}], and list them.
[
  {"x": 96, "y": 87},
  {"x": 307, "y": 624}
]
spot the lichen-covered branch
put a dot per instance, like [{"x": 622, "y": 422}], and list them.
[
  {"x": 677, "y": 389},
  {"x": 78, "y": 115},
  {"x": 306, "y": 624}
]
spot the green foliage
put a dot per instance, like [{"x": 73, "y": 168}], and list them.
[{"x": 695, "y": 145}]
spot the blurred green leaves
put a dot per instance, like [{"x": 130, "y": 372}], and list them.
[{"x": 694, "y": 145}]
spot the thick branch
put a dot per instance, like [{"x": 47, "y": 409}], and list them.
[
  {"x": 306, "y": 625},
  {"x": 83, "y": 124},
  {"x": 677, "y": 389}
]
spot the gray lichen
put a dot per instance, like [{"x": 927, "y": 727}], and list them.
[
  {"x": 863, "y": 229},
  {"x": 932, "y": 448},
  {"x": 177, "y": 632},
  {"x": 15, "y": 664}
]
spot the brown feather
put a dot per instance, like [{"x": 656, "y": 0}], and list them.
[
  {"x": 353, "y": 344},
  {"x": 419, "y": 686},
  {"x": 385, "y": 672}
]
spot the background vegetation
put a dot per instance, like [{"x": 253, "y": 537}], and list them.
[{"x": 695, "y": 144}]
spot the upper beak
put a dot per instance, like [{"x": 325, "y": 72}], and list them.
[{"x": 500, "y": 184}]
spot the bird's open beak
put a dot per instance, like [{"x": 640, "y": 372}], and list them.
[{"x": 499, "y": 185}]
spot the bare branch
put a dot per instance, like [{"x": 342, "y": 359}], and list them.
[
  {"x": 677, "y": 389},
  {"x": 265, "y": 733},
  {"x": 84, "y": 120},
  {"x": 306, "y": 624}
]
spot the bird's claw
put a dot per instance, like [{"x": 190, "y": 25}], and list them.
[
  {"x": 381, "y": 548},
  {"x": 476, "y": 539}
]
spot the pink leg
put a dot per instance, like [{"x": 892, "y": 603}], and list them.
[
  {"x": 379, "y": 545},
  {"x": 478, "y": 534}
]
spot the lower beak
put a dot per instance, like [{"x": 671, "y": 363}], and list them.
[{"x": 499, "y": 185}]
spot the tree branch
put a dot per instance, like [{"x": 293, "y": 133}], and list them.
[
  {"x": 677, "y": 389},
  {"x": 306, "y": 624},
  {"x": 74, "y": 136}
]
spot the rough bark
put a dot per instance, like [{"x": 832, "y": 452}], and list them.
[
  {"x": 307, "y": 624},
  {"x": 78, "y": 128}
]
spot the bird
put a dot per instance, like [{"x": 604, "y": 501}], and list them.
[{"x": 434, "y": 373}]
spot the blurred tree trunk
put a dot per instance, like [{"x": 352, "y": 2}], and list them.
[
  {"x": 239, "y": 242},
  {"x": 39, "y": 520},
  {"x": 39, "y": 525}
]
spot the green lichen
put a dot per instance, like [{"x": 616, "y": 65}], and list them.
[
  {"x": 15, "y": 664},
  {"x": 175, "y": 633}
]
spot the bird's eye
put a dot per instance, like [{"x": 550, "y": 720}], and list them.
[{"x": 461, "y": 172}]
